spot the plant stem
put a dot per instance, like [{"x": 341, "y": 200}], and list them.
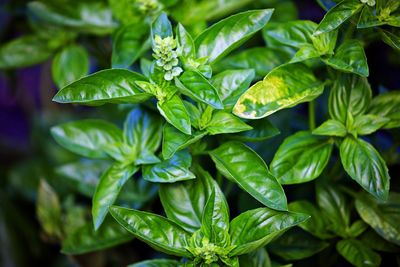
[{"x": 311, "y": 115}]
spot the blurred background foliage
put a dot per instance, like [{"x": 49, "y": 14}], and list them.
[{"x": 41, "y": 201}]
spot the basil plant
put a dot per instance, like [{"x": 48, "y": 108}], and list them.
[{"x": 199, "y": 105}]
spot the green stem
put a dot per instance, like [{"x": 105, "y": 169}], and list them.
[{"x": 311, "y": 115}]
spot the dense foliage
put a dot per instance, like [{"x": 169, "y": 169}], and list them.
[{"x": 196, "y": 99}]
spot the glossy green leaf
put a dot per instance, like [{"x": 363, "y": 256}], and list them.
[
  {"x": 215, "y": 219},
  {"x": 255, "y": 228},
  {"x": 87, "y": 17},
  {"x": 262, "y": 129},
  {"x": 296, "y": 33},
  {"x": 227, "y": 34},
  {"x": 371, "y": 239},
  {"x": 383, "y": 217},
  {"x": 368, "y": 19},
  {"x": 107, "y": 190},
  {"x": 367, "y": 124},
  {"x": 106, "y": 86},
  {"x": 48, "y": 210},
  {"x": 331, "y": 128},
  {"x": 241, "y": 164},
  {"x": 86, "y": 239},
  {"x": 391, "y": 38},
  {"x": 257, "y": 258},
  {"x": 316, "y": 224},
  {"x": 296, "y": 244},
  {"x": 261, "y": 59},
  {"x": 142, "y": 130},
  {"x": 349, "y": 94},
  {"x": 334, "y": 206},
  {"x": 325, "y": 43},
  {"x": 174, "y": 140},
  {"x": 224, "y": 122},
  {"x": 129, "y": 42},
  {"x": 174, "y": 111},
  {"x": 199, "y": 88},
  {"x": 161, "y": 26},
  {"x": 338, "y": 15},
  {"x": 355, "y": 252},
  {"x": 231, "y": 84},
  {"x": 172, "y": 170},
  {"x": 185, "y": 42},
  {"x": 87, "y": 137},
  {"x": 283, "y": 87},
  {"x": 188, "y": 13},
  {"x": 184, "y": 202},
  {"x": 306, "y": 52},
  {"x": 364, "y": 165},
  {"x": 14, "y": 54},
  {"x": 69, "y": 65},
  {"x": 387, "y": 105},
  {"x": 156, "y": 263},
  {"x": 301, "y": 158},
  {"x": 357, "y": 228},
  {"x": 158, "y": 232},
  {"x": 350, "y": 57},
  {"x": 84, "y": 174}
]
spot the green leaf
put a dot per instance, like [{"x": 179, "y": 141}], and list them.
[
  {"x": 296, "y": 33},
  {"x": 185, "y": 42},
  {"x": 383, "y": 217},
  {"x": 368, "y": 19},
  {"x": 262, "y": 129},
  {"x": 364, "y": 165},
  {"x": 172, "y": 170},
  {"x": 160, "y": 233},
  {"x": 84, "y": 174},
  {"x": 256, "y": 258},
  {"x": 87, "y": 137},
  {"x": 316, "y": 224},
  {"x": 174, "y": 111},
  {"x": 156, "y": 263},
  {"x": 306, "y": 52},
  {"x": 215, "y": 220},
  {"x": 301, "y": 158},
  {"x": 174, "y": 140},
  {"x": 325, "y": 43},
  {"x": 350, "y": 57},
  {"x": 231, "y": 84},
  {"x": 161, "y": 26},
  {"x": 24, "y": 52},
  {"x": 255, "y": 228},
  {"x": 283, "y": 87},
  {"x": 350, "y": 94},
  {"x": 184, "y": 202},
  {"x": 357, "y": 228},
  {"x": 85, "y": 239},
  {"x": 296, "y": 244},
  {"x": 106, "y": 86},
  {"x": 331, "y": 128},
  {"x": 142, "y": 130},
  {"x": 241, "y": 164},
  {"x": 338, "y": 15},
  {"x": 224, "y": 122},
  {"x": 387, "y": 105},
  {"x": 261, "y": 59},
  {"x": 199, "y": 88},
  {"x": 107, "y": 190},
  {"x": 228, "y": 34},
  {"x": 48, "y": 210},
  {"x": 86, "y": 17},
  {"x": 391, "y": 38},
  {"x": 367, "y": 124},
  {"x": 355, "y": 252},
  {"x": 334, "y": 206},
  {"x": 129, "y": 43},
  {"x": 371, "y": 239},
  {"x": 69, "y": 65}
]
